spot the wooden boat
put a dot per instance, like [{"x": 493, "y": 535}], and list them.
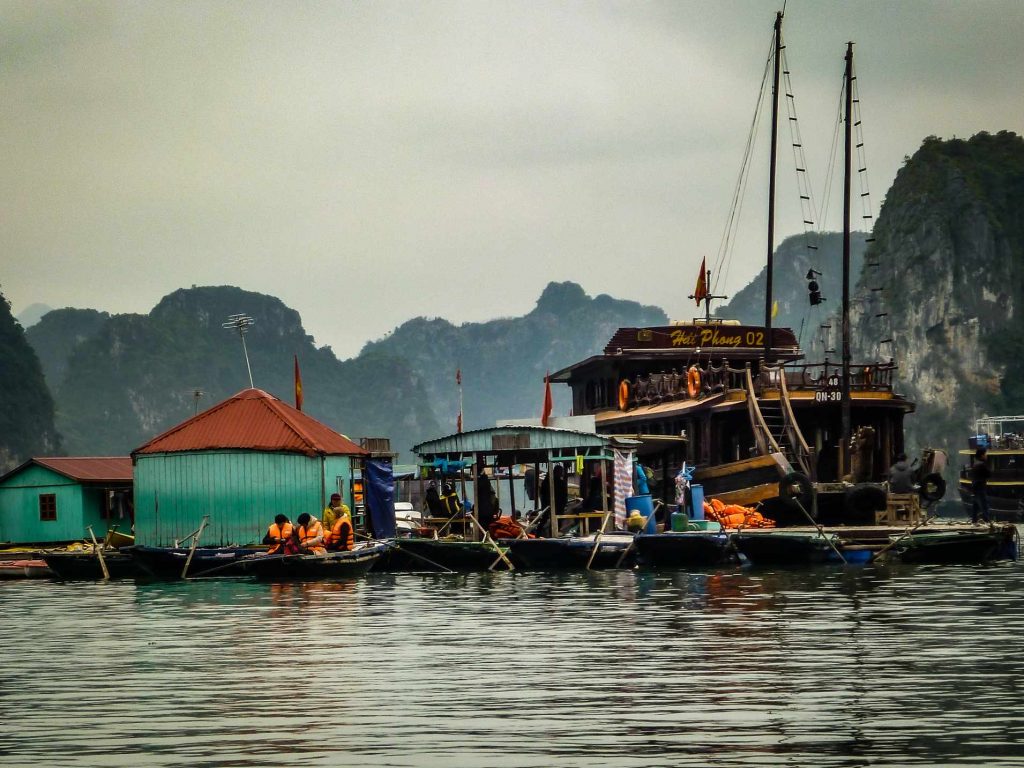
[
  {"x": 25, "y": 568},
  {"x": 330, "y": 566},
  {"x": 440, "y": 555},
  {"x": 168, "y": 563},
  {"x": 785, "y": 548},
  {"x": 960, "y": 546},
  {"x": 684, "y": 549},
  {"x": 84, "y": 565},
  {"x": 1004, "y": 438},
  {"x": 570, "y": 553}
]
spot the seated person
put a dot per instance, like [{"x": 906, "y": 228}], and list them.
[
  {"x": 341, "y": 538},
  {"x": 311, "y": 535},
  {"x": 281, "y": 537}
]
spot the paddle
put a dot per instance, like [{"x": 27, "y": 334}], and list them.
[
  {"x": 901, "y": 537},
  {"x": 195, "y": 543},
  {"x": 821, "y": 530},
  {"x": 99, "y": 553},
  {"x": 597, "y": 538}
]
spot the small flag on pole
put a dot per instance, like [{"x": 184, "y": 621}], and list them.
[
  {"x": 298, "y": 385},
  {"x": 545, "y": 414},
  {"x": 701, "y": 291}
]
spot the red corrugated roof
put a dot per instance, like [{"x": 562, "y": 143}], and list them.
[
  {"x": 252, "y": 420},
  {"x": 89, "y": 469}
]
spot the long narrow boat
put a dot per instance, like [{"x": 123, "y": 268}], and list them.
[
  {"x": 571, "y": 553},
  {"x": 84, "y": 566},
  {"x": 684, "y": 549},
  {"x": 168, "y": 563},
  {"x": 330, "y": 566},
  {"x": 960, "y": 546},
  {"x": 440, "y": 555},
  {"x": 24, "y": 568}
]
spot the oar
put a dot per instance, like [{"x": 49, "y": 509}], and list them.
[
  {"x": 99, "y": 553},
  {"x": 489, "y": 540},
  {"x": 597, "y": 538},
  {"x": 628, "y": 549},
  {"x": 821, "y": 531},
  {"x": 901, "y": 537},
  {"x": 195, "y": 543}
]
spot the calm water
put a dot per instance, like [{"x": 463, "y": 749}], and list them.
[{"x": 875, "y": 666}]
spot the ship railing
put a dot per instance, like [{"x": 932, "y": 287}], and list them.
[
  {"x": 672, "y": 385},
  {"x": 865, "y": 377}
]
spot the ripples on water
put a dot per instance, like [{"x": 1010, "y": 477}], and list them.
[{"x": 874, "y": 666}]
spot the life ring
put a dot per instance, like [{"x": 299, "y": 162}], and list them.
[
  {"x": 623, "y": 394},
  {"x": 693, "y": 381},
  {"x": 933, "y": 487},
  {"x": 796, "y": 487}
]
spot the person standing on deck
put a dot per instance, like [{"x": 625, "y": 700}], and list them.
[
  {"x": 980, "y": 474},
  {"x": 311, "y": 534},
  {"x": 280, "y": 536},
  {"x": 333, "y": 511}
]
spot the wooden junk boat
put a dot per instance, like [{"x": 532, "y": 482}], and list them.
[{"x": 1003, "y": 436}]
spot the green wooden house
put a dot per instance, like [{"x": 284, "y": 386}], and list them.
[
  {"x": 241, "y": 462},
  {"x": 53, "y": 500}
]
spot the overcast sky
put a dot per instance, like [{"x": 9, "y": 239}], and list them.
[{"x": 368, "y": 162}]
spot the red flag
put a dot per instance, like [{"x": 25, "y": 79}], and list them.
[
  {"x": 546, "y": 413},
  {"x": 458, "y": 376},
  {"x": 298, "y": 385},
  {"x": 701, "y": 291}
]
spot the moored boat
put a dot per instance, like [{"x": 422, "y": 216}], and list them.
[
  {"x": 572, "y": 552},
  {"x": 24, "y": 568},
  {"x": 786, "y": 548},
  {"x": 440, "y": 555},
  {"x": 168, "y": 563},
  {"x": 329, "y": 566},
  {"x": 964, "y": 546},
  {"x": 684, "y": 549},
  {"x": 83, "y": 565},
  {"x": 1003, "y": 436}
]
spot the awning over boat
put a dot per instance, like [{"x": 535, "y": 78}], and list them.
[{"x": 659, "y": 411}]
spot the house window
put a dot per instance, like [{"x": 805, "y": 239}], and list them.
[{"x": 47, "y": 506}]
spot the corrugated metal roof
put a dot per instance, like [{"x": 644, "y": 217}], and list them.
[
  {"x": 532, "y": 439},
  {"x": 85, "y": 469},
  {"x": 252, "y": 420}
]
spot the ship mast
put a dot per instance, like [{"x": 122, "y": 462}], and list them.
[
  {"x": 771, "y": 192},
  {"x": 844, "y": 440}
]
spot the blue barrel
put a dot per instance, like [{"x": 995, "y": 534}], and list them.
[
  {"x": 697, "y": 502},
  {"x": 645, "y": 506}
]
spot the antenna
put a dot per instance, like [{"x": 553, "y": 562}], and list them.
[
  {"x": 242, "y": 322},
  {"x": 196, "y": 395}
]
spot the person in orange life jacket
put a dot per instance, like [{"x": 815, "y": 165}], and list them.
[
  {"x": 281, "y": 537},
  {"x": 341, "y": 538},
  {"x": 311, "y": 534}
]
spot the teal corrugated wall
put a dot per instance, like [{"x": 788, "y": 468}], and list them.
[
  {"x": 241, "y": 491},
  {"x": 77, "y": 507}
]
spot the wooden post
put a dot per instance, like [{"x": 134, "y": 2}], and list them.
[
  {"x": 511, "y": 491},
  {"x": 195, "y": 543},
  {"x": 462, "y": 483},
  {"x": 551, "y": 496},
  {"x": 99, "y": 554},
  {"x": 604, "y": 489}
]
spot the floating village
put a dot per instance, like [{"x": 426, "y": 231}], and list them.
[{"x": 701, "y": 444}]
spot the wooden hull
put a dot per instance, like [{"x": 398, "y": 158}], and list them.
[
  {"x": 965, "y": 547},
  {"x": 781, "y": 548},
  {"x": 331, "y": 566},
  {"x": 84, "y": 566},
  {"x": 167, "y": 563},
  {"x": 24, "y": 569},
  {"x": 745, "y": 482},
  {"x": 438, "y": 556},
  {"x": 683, "y": 550},
  {"x": 569, "y": 554}
]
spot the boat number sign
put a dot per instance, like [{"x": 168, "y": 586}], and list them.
[
  {"x": 830, "y": 392},
  {"x": 717, "y": 337}
]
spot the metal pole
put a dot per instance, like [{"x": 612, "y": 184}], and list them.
[
  {"x": 844, "y": 440},
  {"x": 245, "y": 352},
  {"x": 551, "y": 496},
  {"x": 771, "y": 193}
]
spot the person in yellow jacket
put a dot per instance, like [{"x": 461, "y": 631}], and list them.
[
  {"x": 311, "y": 534},
  {"x": 333, "y": 511}
]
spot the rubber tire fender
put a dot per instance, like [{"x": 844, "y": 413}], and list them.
[
  {"x": 933, "y": 487},
  {"x": 863, "y": 499},
  {"x": 796, "y": 486}
]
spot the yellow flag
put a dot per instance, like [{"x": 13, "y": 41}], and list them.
[{"x": 775, "y": 309}]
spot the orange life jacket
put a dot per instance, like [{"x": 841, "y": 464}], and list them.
[
  {"x": 311, "y": 537},
  {"x": 280, "y": 535},
  {"x": 341, "y": 538}
]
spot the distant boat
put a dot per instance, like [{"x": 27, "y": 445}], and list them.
[{"x": 1004, "y": 438}]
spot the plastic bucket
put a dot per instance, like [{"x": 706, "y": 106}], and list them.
[
  {"x": 645, "y": 506},
  {"x": 697, "y": 502}
]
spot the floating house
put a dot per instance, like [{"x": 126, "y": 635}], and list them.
[
  {"x": 50, "y": 500},
  {"x": 240, "y": 463}
]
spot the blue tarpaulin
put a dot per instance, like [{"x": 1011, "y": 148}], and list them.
[{"x": 380, "y": 497}]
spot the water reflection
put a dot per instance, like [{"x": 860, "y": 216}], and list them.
[{"x": 869, "y": 666}]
